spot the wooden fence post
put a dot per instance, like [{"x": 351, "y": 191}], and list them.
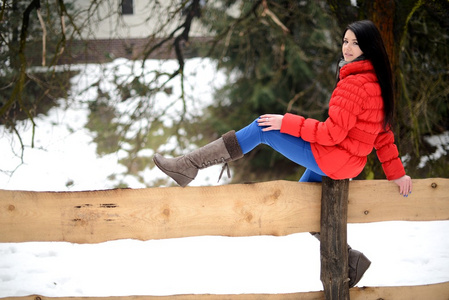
[{"x": 334, "y": 247}]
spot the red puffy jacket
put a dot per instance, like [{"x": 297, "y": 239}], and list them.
[{"x": 342, "y": 143}]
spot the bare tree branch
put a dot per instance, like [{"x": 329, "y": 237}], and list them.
[
  {"x": 16, "y": 95},
  {"x": 229, "y": 29},
  {"x": 267, "y": 11},
  {"x": 44, "y": 35}
]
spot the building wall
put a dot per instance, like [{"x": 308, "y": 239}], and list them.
[
  {"x": 147, "y": 18},
  {"x": 104, "y": 50}
]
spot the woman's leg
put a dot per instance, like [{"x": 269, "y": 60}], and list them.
[
  {"x": 295, "y": 149},
  {"x": 310, "y": 176},
  {"x": 232, "y": 146}
]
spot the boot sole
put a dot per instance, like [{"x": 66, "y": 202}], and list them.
[{"x": 180, "y": 179}]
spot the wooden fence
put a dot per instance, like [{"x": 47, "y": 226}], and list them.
[{"x": 271, "y": 208}]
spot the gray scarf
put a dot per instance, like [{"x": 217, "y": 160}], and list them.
[{"x": 344, "y": 63}]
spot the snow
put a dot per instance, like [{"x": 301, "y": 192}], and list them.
[
  {"x": 402, "y": 253},
  {"x": 441, "y": 143}
]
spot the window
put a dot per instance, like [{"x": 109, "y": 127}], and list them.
[{"x": 127, "y": 7}]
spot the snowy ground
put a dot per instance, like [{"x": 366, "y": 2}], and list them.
[{"x": 402, "y": 253}]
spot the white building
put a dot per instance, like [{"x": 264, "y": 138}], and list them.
[{"x": 129, "y": 28}]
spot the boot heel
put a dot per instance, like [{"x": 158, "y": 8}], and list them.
[{"x": 180, "y": 179}]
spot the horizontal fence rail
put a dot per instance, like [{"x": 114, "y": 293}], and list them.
[
  {"x": 437, "y": 291},
  {"x": 270, "y": 208}
]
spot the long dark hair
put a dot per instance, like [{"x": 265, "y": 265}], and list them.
[{"x": 371, "y": 43}]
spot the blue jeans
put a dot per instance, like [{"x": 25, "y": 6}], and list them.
[{"x": 293, "y": 148}]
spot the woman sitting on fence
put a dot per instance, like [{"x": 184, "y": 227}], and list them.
[{"x": 360, "y": 118}]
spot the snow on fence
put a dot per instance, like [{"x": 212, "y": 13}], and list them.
[{"x": 270, "y": 208}]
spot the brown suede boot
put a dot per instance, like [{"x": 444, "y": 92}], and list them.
[
  {"x": 183, "y": 169},
  {"x": 358, "y": 263}
]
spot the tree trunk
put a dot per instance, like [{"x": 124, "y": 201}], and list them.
[{"x": 382, "y": 13}]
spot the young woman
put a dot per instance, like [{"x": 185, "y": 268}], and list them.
[{"x": 360, "y": 119}]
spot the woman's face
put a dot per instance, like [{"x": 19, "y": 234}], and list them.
[{"x": 350, "y": 48}]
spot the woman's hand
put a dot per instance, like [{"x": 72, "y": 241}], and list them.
[
  {"x": 405, "y": 185},
  {"x": 270, "y": 122}
]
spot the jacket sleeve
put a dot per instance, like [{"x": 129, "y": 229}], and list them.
[
  {"x": 343, "y": 111},
  {"x": 388, "y": 155}
]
